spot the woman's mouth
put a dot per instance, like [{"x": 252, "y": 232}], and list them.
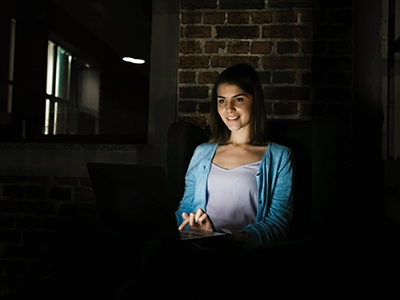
[{"x": 232, "y": 118}]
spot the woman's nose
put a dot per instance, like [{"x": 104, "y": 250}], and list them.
[{"x": 230, "y": 106}]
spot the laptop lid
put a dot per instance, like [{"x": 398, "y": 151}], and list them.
[
  {"x": 136, "y": 200},
  {"x": 133, "y": 198}
]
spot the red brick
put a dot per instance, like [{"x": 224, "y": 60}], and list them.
[
  {"x": 214, "y": 47},
  {"x": 191, "y": 17},
  {"x": 291, "y": 3},
  {"x": 197, "y": 32},
  {"x": 261, "y": 17},
  {"x": 244, "y": 32},
  {"x": 207, "y": 77},
  {"x": 273, "y": 62},
  {"x": 287, "y": 31},
  {"x": 194, "y": 62},
  {"x": 240, "y": 47},
  {"x": 190, "y": 47},
  {"x": 265, "y": 76},
  {"x": 238, "y": 17},
  {"x": 214, "y": 18},
  {"x": 261, "y": 47},
  {"x": 241, "y": 4},
  {"x": 198, "y": 4},
  {"x": 287, "y": 16},
  {"x": 227, "y": 61},
  {"x": 187, "y": 77}
]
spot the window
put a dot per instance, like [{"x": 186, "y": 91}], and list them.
[
  {"x": 72, "y": 94},
  {"x": 70, "y": 83}
]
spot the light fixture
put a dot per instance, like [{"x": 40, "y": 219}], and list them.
[{"x": 137, "y": 61}]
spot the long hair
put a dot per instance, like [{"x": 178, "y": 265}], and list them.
[{"x": 245, "y": 77}]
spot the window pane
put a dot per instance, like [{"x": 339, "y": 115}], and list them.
[
  {"x": 47, "y": 117},
  {"x": 50, "y": 68},
  {"x": 62, "y": 73}
]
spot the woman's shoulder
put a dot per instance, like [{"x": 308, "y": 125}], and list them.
[
  {"x": 206, "y": 147},
  {"x": 275, "y": 147}
]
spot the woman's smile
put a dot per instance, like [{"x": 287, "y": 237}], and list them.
[{"x": 234, "y": 106}]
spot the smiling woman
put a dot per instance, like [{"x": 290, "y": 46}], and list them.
[{"x": 69, "y": 81}]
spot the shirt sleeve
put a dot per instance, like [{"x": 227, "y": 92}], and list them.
[
  {"x": 186, "y": 204},
  {"x": 277, "y": 202}
]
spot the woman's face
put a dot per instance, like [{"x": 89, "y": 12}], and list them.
[{"x": 234, "y": 106}]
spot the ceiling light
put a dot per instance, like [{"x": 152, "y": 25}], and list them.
[{"x": 137, "y": 61}]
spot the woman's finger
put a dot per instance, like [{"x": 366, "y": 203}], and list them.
[
  {"x": 202, "y": 218},
  {"x": 186, "y": 220}
]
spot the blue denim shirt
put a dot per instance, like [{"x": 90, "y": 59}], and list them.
[{"x": 275, "y": 199}]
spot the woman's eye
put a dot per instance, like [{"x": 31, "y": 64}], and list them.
[
  {"x": 239, "y": 99},
  {"x": 221, "y": 101}
]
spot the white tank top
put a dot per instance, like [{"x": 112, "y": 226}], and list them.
[{"x": 232, "y": 196}]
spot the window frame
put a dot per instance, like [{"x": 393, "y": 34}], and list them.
[{"x": 28, "y": 107}]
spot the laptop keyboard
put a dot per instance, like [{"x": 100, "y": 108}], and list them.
[{"x": 186, "y": 235}]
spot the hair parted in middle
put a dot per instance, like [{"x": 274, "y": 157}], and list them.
[{"x": 245, "y": 77}]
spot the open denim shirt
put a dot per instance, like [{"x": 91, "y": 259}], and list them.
[{"x": 275, "y": 180}]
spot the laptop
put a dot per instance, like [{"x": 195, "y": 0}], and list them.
[{"x": 136, "y": 200}]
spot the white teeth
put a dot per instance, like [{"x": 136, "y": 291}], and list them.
[{"x": 233, "y": 118}]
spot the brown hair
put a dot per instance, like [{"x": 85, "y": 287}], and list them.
[{"x": 245, "y": 77}]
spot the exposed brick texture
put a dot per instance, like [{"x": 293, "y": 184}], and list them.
[
  {"x": 31, "y": 210},
  {"x": 302, "y": 50},
  {"x": 241, "y": 4}
]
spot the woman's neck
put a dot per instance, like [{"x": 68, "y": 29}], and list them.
[{"x": 238, "y": 138}]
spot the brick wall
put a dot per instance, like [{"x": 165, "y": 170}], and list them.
[
  {"x": 301, "y": 48},
  {"x": 31, "y": 211}
]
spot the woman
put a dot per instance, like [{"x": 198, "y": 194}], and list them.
[{"x": 240, "y": 181}]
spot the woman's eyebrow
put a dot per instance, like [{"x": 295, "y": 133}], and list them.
[{"x": 234, "y": 96}]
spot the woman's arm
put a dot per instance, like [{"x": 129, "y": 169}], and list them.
[
  {"x": 277, "y": 190},
  {"x": 194, "y": 196}
]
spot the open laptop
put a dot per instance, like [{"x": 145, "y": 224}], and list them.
[{"x": 136, "y": 200}]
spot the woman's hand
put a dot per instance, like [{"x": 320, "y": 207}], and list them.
[{"x": 197, "y": 220}]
